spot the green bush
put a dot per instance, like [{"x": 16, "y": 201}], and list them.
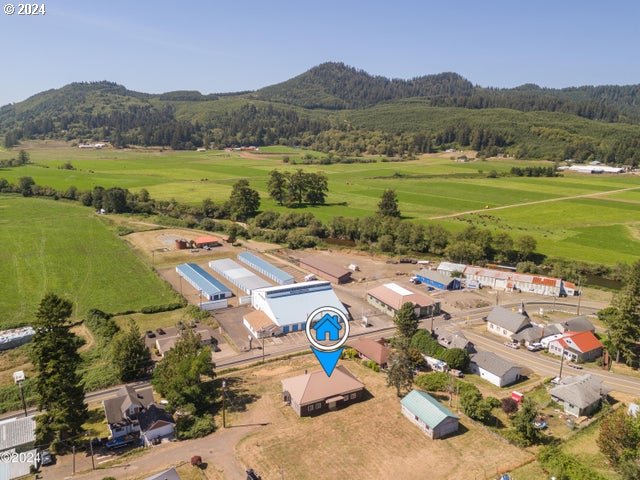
[
  {"x": 349, "y": 353},
  {"x": 122, "y": 230},
  {"x": 195, "y": 427},
  {"x": 162, "y": 308},
  {"x": 101, "y": 325},
  {"x": 371, "y": 364},
  {"x": 564, "y": 466},
  {"x": 456, "y": 358},
  {"x": 434, "y": 382}
]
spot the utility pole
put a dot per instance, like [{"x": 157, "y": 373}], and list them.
[
  {"x": 224, "y": 405},
  {"x": 93, "y": 465},
  {"x": 24, "y": 404},
  {"x": 561, "y": 363},
  {"x": 262, "y": 348},
  {"x": 579, "y": 295},
  {"x": 73, "y": 461}
]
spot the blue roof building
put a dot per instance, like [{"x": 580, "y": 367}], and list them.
[
  {"x": 203, "y": 282},
  {"x": 433, "y": 279},
  {"x": 265, "y": 268},
  {"x": 433, "y": 418}
]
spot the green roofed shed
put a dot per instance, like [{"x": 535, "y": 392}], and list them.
[{"x": 433, "y": 418}]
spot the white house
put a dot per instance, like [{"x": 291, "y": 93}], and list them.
[
  {"x": 577, "y": 346},
  {"x": 494, "y": 369},
  {"x": 506, "y": 323}
]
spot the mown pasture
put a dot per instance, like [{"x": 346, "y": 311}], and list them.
[
  {"x": 602, "y": 228},
  {"x": 67, "y": 249}
]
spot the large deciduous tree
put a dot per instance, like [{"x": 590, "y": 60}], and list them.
[
  {"x": 401, "y": 371},
  {"x": 244, "y": 202},
  {"x": 185, "y": 375},
  {"x": 59, "y": 388},
  {"x": 277, "y": 186}
]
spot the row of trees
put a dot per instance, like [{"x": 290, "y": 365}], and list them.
[{"x": 297, "y": 188}]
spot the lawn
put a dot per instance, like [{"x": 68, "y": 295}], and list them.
[
  {"x": 371, "y": 439},
  {"x": 601, "y": 229},
  {"x": 64, "y": 248}
]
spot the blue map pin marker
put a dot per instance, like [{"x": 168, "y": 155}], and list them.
[
  {"x": 328, "y": 360},
  {"x": 329, "y": 322}
]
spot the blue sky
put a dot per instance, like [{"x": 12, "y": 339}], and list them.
[{"x": 221, "y": 45}]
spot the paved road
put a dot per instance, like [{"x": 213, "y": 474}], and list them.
[{"x": 550, "y": 367}]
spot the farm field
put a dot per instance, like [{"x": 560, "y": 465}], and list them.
[
  {"x": 347, "y": 440},
  {"x": 591, "y": 218},
  {"x": 65, "y": 248}
]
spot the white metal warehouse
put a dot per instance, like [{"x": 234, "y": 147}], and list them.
[
  {"x": 242, "y": 278},
  {"x": 265, "y": 268},
  {"x": 288, "y": 306}
]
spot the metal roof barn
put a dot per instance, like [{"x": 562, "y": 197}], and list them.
[
  {"x": 262, "y": 266},
  {"x": 288, "y": 306},
  {"x": 202, "y": 281},
  {"x": 238, "y": 275}
]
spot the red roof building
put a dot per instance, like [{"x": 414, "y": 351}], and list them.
[{"x": 577, "y": 346}]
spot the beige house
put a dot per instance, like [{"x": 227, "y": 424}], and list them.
[{"x": 315, "y": 393}]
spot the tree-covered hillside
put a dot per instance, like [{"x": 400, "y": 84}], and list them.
[{"x": 339, "y": 109}]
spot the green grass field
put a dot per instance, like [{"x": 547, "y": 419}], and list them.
[
  {"x": 65, "y": 248},
  {"x": 603, "y": 228}
]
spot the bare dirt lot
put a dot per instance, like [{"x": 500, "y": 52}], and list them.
[{"x": 371, "y": 439}]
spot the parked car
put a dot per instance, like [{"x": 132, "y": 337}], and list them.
[
  {"x": 414, "y": 280},
  {"x": 121, "y": 442},
  {"x": 534, "y": 347},
  {"x": 150, "y": 334},
  {"x": 160, "y": 331},
  {"x": 456, "y": 373},
  {"x": 252, "y": 475},
  {"x": 46, "y": 458},
  {"x": 514, "y": 345}
]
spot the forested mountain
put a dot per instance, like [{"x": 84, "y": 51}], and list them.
[{"x": 339, "y": 109}]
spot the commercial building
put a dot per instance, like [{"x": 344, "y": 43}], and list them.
[
  {"x": 288, "y": 306},
  {"x": 520, "y": 282},
  {"x": 506, "y": 323},
  {"x": 436, "y": 280},
  {"x": 321, "y": 267},
  {"x": 239, "y": 276},
  {"x": 315, "y": 393},
  {"x": 210, "y": 288},
  {"x": 434, "y": 419},
  {"x": 265, "y": 268},
  {"x": 390, "y": 297}
]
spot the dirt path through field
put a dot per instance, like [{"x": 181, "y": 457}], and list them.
[{"x": 548, "y": 200}]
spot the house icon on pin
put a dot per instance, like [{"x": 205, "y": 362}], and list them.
[{"x": 329, "y": 326}]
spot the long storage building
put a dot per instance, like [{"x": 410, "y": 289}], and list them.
[
  {"x": 326, "y": 270},
  {"x": 202, "y": 281},
  {"x": 242, "y": 278},
  {"x": 265, "y": 268}
]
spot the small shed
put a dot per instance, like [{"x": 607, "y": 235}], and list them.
[
  {"x": 207, "y": 241},
  {"x": 433, "y": 418}
]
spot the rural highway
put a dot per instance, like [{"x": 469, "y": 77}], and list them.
[
  {"x": 537, "y": 362},
  {"x": 536, "y": 202}
]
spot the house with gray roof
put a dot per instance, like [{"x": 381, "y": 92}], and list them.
[
  {"x": 580, "y": 395},
  {"x": 494, "y": 369},
  {"x": 134, "y": 412},
  {"x": 433, "y": 418},
  {"x": 452, "y": 338},
  {"x": 578, "y": 324},
  {"x": 506, "y": 323}
]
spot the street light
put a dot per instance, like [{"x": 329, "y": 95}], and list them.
[{"x": 19, "y": 378}]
